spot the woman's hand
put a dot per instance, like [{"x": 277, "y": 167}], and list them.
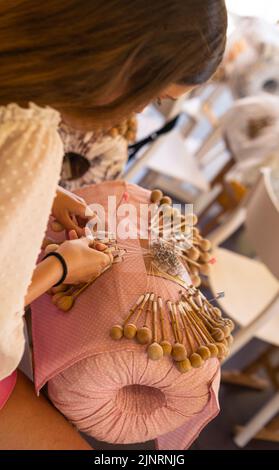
[
  {"x": 67, "y": 206},
  {"x": 84, "y": 262}
]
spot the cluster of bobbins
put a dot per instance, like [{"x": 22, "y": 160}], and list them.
[
  {"x": 190, "y": 330},
  {"x": 193, "y": 249},
  {"x": 127, "y": 129},
  {"x": 65, "y": 295}
]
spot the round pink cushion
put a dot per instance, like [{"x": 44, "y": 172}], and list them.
[{"x": 124, "y": 397}]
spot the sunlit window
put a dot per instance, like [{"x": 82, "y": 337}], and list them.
[{"x": 266, "y": 9}]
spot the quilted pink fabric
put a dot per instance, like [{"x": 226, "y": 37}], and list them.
[
  {"x": 110, "y": 389},
  {"x": 125, "y": 397}
]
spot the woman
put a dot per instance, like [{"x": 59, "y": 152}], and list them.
[{"x": 91, "y": 63}]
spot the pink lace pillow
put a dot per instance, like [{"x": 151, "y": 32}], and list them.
[
  {"x": 110, "y": 389},
  {"x": 125, "y": 397}
]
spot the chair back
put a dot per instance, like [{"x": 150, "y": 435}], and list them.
[{"x": 262, "y": 221}]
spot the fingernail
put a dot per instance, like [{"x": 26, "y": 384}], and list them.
[
  {"x": 100, "y": 246},
  {"x": 88, "y": 212}
]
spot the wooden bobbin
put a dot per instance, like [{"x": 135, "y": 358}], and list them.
[
  {"x": 201, "y": 339},
  {"x": 51, "y": 247},
  {"x": 179, "y": 352},
  {"x": 66, "y": 300},
  {"x": 166, "y": 345},
  {"x": 222, "y": 350},
  {"x": 62, "y": 293},
  {"x": 156, "y": 196},
  {"x": 130, "y": 329},
  {"x": 215, "y": 328},
  {"x": 166, "y": 200},
  {"x": 193, "y": 254},
  {"x": 60, "y": 288},
  {"x": 116, "y": 330},
  {"x": 144, "y": 334},
  {"x": 208, "y": 340},
  {"x": 184, "y": 366},
  {"x": 191, "y": 219},
  {"x": 155, "y": 351},
  {"x": 205, "y": 257},
  {"x": 195, "y": 358},
  {"x": 56, "y": 226}
]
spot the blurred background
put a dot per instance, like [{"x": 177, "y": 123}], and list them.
[
  {"x": 222, "y": 155},
  {"x": 218, "y": 149}
]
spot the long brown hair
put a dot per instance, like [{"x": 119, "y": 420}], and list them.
[{"x": 71, "y": 54}]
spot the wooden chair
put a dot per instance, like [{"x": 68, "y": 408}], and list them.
[
  {"x": 251, "y": 286},
  {"x": 173, "y": 164}
]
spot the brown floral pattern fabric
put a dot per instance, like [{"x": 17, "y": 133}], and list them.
[{"x": 91, "y": 157}]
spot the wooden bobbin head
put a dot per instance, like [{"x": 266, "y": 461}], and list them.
[
  {"x": 51, "y": 247},
  {"x": 229, "y": 340},
  {"x": 226, "y": 330},
  {"x": 56, "y": 226},
  {"x": 179, "y": 352},
  {"x": 217, "y": 334},
  {"x": 213, "y": 349},
  {"x": 222, "y": 350},
  {"x": 205, "y": 245},
  {"x": 217, "y": 312},
  {"x": 155, "y": 351},
  {"x": 130, "y": 331},
  {"x": 167, "y": 347},
  {"x": 144, "y": 335},
  {"x": 196, "y": 360},
  {"x": 229, "y": 323},
  {"x": 184, "y": 366},
  {"x": 165, "y": 200},
  {"x": 193, "y": 253},
  {"x": 204, "y": 352},
  {"x": 196, "y": 281},
  {"x": 116, "y": 332},
  {"x": 156, "y": 196},
  {"x": 57, "y": 296},
  {"x": 65, "y": 303}
]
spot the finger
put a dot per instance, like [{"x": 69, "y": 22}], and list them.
[
  {"x": 81, "y": 221},
  {"x": 82, "y": 209},
  {"x": 75, "y": 197},
  {"x": 111, "y": 257},
  {"x": 100, "y": 246},
  {"x": 69, "y": 224},
  {"x": 105, "y": 260},
  {"x": 72, "y": 235},
  {"x": 79, "y": 198}
]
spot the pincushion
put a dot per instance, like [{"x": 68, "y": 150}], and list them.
[{"x": 111, "y": 389}]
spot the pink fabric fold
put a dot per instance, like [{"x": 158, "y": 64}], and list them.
[{"x": 6, "y": 387}]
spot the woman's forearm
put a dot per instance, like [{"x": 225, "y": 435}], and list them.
[{"x": 46, "y": 274}]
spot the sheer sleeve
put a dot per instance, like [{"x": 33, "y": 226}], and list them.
[{"x": 31, "y": 155}]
